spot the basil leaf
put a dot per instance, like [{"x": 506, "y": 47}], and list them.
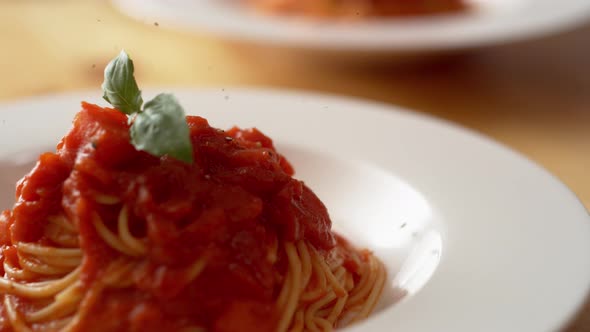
[
  {"x": 161, "y": 129},
  {"x": 119, "y": 86}
]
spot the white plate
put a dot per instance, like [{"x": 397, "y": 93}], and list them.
[
  {"x": 480, "y": 238},
  {"x": 493, "y": 21}
]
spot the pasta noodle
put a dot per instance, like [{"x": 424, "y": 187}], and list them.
[{"x": 314, "y": 296}]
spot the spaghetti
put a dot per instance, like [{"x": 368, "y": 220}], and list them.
[{"x": 107, "y": 238}]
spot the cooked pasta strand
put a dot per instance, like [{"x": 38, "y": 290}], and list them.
[
  {"x": 37, "y": 290},
  {"x": 133, "y": 244}
]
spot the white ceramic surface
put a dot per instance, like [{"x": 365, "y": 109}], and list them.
[
  {"x": 478, "y": 237},
  {"x": 491, "y": 22}
]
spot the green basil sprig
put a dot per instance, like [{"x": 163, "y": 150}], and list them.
[
  {"x": 119, "y": 86},
  {"x": 160, "y": 128}
]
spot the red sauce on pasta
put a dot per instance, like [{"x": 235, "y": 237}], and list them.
[{"x": 162, "y": 245}]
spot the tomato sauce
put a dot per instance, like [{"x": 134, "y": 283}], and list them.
[{"x": 233, "y": 207}]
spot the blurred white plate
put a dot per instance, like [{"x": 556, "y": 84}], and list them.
[
  {"x": 480, "y": 238},
  {"x": 491, "y": 22}
]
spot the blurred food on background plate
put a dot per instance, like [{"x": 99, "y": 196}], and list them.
[{"x": 359, "y": 8}]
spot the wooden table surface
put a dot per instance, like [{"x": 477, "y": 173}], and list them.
[{"x": 533, "y": 96}]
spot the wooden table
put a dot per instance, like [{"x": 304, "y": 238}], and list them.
[{"x": 533, "y": 97}]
